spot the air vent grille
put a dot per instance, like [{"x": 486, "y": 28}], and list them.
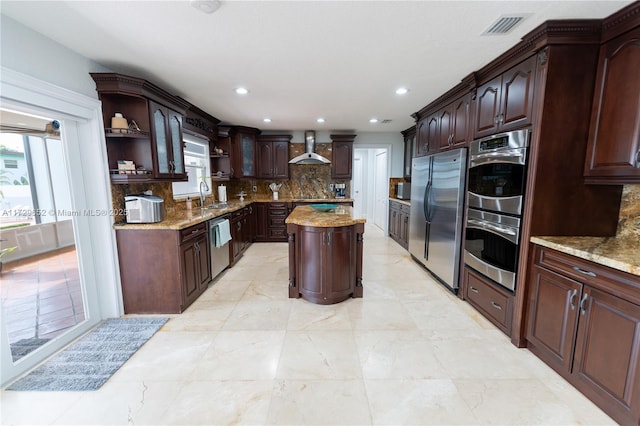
[
  {"x": 385, "y": 121},
  {"x": 504, "y": 24}
]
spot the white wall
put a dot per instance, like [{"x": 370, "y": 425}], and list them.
[
  {"x": 394, "y": 139},
  {"x": 31, "y": 53}
]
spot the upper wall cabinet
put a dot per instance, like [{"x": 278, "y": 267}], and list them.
[
  {"x": 613, "y": 154},
  {"x": 342, "y": 156},
  {"x": 151, "y": 136},
  {"x": 243, "y": 151},
  {"x": 273, "y": 156},
  {"x": 506, "y": 102},
  {"x": 409, "y": 136}
]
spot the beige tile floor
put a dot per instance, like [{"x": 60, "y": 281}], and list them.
[{"x": 409, "y": 352}]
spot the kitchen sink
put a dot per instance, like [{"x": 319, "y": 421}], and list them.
[{"x": 216, "y": 206}]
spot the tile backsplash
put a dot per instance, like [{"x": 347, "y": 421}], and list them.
[{"x": 629, "y": 218}]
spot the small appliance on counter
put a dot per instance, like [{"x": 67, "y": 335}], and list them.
[
  {"x": 403, "y": 190},
  {"x": 341, "y": 191},
  {"x": 143, "y": 208}
]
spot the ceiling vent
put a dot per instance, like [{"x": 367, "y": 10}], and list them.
[
  {"x": 504, "y": 24},
  {"x": 385, "y": 121}
]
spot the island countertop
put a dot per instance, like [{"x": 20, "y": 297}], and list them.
[
  {"x": 308, "y": 216},
  {"x": 622, "y": 254}
]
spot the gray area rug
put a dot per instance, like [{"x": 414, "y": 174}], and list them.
[{"x": 88, "y": 363}]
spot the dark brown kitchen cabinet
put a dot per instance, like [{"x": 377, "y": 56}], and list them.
[
  {"x": 243, "y": 151},
  {"x": 584, "y": 322},
  {"x": 196, "y": 262},
  {"x": 451, "y": 126},
  {"x": 399, "y": 223},
  {"x": 493, "y": 301},
  {"x": 270, "y": 221},
  {"x": 163, "y": 271},
  {"x": 166, "y": 132},
  {"x": 422, "y": 137},
  {"x": 613, "y": 153},
  {"x": 342, "y": 161},
  {"x": 242, "y": 232},
  {"x": 409, "y": 136},
  {"x": 154, "y": 142},
  {"x": 326, "y": 262},
  {"x": 273, "y": 156},
  {"x": 506, "y": 102}
]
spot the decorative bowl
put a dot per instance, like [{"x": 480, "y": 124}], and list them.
[{"x": 324, "y": 207}]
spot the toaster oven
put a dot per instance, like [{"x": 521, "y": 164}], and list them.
[{"x": 144, "y": 208}]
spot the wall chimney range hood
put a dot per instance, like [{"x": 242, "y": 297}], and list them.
[{"x": 309, "y": 156}]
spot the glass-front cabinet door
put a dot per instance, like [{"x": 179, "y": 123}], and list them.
[
  {"x": 166, "y": 133},
  {"x": 248, "y": 155}
]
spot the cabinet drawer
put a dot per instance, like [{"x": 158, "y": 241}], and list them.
[
  {"x": 193, "y": 231},
  {"x": 496, "y": 305},
  {"x": 618, "y": 283},
  {"x": 279, "y": 233},
  {"x": 405, "y": 209},
  {"x": 277, "y": 222},
  {"x": 278, "y": 206}
]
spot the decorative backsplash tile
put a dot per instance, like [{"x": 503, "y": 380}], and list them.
[
  {"x": 392, "y": 186},
  {"x": 629, "y": 219}
]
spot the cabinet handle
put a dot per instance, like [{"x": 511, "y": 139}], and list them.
[
  {"x": 496, "y": 120},
  {"x": 495, "y": 305},
  {"x": 501, "y": 119},
  {"x": 638, "y": 159},
  {"x": 583, "y": 272},
  {"x": 475, "y": 290},
  {"x": 329, "y": 238},
  {"x": 573, "y": 295},
  {"x": 582, "y": 302},
  {"x": 195, "y": 231}
]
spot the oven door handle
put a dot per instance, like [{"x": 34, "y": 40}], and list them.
[
  {"x": 509, "y": 233},
  {"x": 498, "y": 157}
]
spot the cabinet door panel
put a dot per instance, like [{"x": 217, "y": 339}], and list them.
[
  {"x": 342, "y": 160},
  {"x": 614, "y": 146},
  {"x": 460, "y": 124},
  {"x": 338, "y": 268},
  {"x": 248, "y": 155},
  {"x": 281, "y": 160},
  {"x": 517, "y": 96},
  {"x": 177, "y": 153},
  {"x": 204, "y": 262},
  {"x": 312, "y": 240},
  {"x": 265, "y": 160},
  {"x": 422, "y": 137},
  {"x": 607, "y": 350},
  {"x": 487, "y": 108},
  {"x": 433, "y": 134},
  {"x": 553, "y": 316},
  {"x": 160, "y": 136},
  {"x": 446, "y": 128},
  {"x": 189, "y": 268}
]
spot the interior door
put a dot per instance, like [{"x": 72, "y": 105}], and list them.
[
  {"x": 357, "y": 185},
  {"x": 381, "y": 189}
]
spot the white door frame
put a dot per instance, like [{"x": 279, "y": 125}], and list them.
[
  {"x": 82, "y": 131},
  {"x": 370, "y": 190}
]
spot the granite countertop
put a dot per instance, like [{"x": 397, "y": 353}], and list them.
[
  {"x": 184, "y": 219},
  {"x": 622, "y": 254},
  {"x": 308, "y": 216},
  {"x": 398, "y": 200}
]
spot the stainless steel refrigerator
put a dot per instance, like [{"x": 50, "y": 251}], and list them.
[{"x": 437, "y": 208}]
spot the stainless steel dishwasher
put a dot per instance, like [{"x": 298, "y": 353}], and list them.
[{"x": 219, "y": 237}]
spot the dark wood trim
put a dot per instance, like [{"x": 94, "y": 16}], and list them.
[{"x": 620, "y": 22}]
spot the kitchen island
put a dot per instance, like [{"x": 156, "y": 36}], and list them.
[{"x": 325, "y": 254}]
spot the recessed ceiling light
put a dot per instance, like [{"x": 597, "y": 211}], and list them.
[
  {"x": 402, "y": 91},
  {"x": 320, "y": 120},
  {"x": 242, "y": 91},
  {"x": 373, "y": 120},
  {"x": 267, "y": 120}
]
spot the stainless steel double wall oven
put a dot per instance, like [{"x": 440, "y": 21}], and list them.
[{"x": 495, "y": 195}]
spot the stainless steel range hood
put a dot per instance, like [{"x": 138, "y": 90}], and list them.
[{"x": 309, "y": 156}]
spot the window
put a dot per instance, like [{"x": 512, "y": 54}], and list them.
[
  {"x": 10, "y": 164},
  {"x": 197, "y": 165}
]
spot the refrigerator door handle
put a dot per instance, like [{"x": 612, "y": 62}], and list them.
[{"x": 425, "y": 202}]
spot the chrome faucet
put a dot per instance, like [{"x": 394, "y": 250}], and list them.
[{"x": 206, "y": 188}]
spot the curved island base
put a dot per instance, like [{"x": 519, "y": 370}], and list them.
[{"x": 325, "y": 255}]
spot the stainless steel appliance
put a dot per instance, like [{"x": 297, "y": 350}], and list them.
[
  {"x": 219, "y": 237},
  {"x": 341, "y": 190},
  {"x": 497, "y": 171},
  {"x": 495, "y": 197},
  {"x": 435, "y": 228},
  {"x": 403, "y": 190},
  {"x": 491, "y": 245},
  {"x": 144, "y": 208}
]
